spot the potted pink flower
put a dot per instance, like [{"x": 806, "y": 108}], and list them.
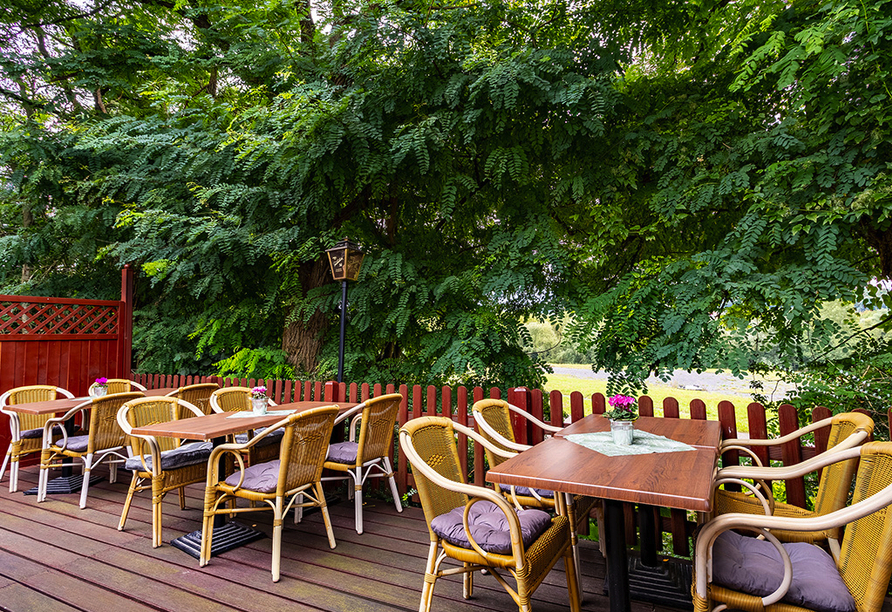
[
  {"x": 622, "y": 414},
  {"x": 259, "y": 400},
  {"x": 99, "y": 387}
]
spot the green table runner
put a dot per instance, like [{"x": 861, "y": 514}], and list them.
[{"x": 642, "y": 444}]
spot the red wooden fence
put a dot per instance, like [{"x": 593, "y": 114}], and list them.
[
  {"x": 456, "y": 404},
  {"x": 63, "y": 342}
]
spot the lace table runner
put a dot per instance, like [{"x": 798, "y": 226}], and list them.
[
  {"x": 247, "y": 414},
  {"x": 643, "y": 443}
]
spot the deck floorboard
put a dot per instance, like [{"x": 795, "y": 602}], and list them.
[{"x": 54, "y": 556}]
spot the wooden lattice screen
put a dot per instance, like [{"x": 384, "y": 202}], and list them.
[{"x": 64, "y": 342}]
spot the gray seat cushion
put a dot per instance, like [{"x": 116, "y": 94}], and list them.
[
  {"x": 76, "y": 444},
  {"x": 754, "y": 566},
  {"x": 274, "y": 437},
  {"x": 38, "y": 433},
  {"x": 526, "y": 492},
  {"x": 187, "y": 454},
  {"x": 489, "y": 527},
  {"x": 262, "y": 477},
  {"x": 343, "y": 452}
]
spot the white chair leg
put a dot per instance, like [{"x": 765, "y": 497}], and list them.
[
  {"x": 357, "y": 496},
  {"x": 85, "y": 483},
  {"x": 397, "y": 502},
  {"x": 277, "y": 539},
  {"x": 13, "y": 476},
  {"x": 112, "y": 471},
  {"x": 42, "y": 480},
  {"x": 298, "y": 510},
  {"x": 5, "y": 463}
]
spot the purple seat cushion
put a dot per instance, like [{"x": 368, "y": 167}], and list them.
[
  {"x": 187, "y": 454},
  {"x": 754, "y": 566},
  {"x": 343, "y": 452},
  {"x": 38, "y": 433},
  {"x": 489, "y": 527},
  {"x": 526, "y": 492},
  {"x": 262, "y": 477}
]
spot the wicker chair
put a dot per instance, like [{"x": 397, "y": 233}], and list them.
[
  {"x": 26, "y": 430},
  {"x": 160, "y": 464},
  {"x": 864, "y": 565},
  {"x": 237, "y": 399},
  {"x": 288, "y": 480},
  {"x": 493, "y": 420},
  {"x": 117, "y": 385},
  {"x": 197, "y": 395},
  {"x": 847, "y": 430},
  {"x": 356, "y": 459},
  {"x": 104, "y": 440},
  {"x": 429, "y": 444}
]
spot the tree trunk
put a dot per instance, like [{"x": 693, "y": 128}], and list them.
[{"x": 302, "y": 339}]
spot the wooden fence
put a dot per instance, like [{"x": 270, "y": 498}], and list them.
[{"x": 456, "y": 403}]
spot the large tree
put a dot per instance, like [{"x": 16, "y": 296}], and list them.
[{"x": 674, "y": 173}]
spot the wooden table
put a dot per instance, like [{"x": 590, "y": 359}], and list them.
[
  {"x": 67, "y": 483},
  {"x": 675, "y": 480},
  {"x": 215, "y": 427}
]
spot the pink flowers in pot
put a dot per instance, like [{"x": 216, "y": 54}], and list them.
[{"x": 622, "y": 408}]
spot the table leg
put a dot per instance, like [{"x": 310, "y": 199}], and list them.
[
  {"x": 226, "y": 535},
  {"x": 648, "y": 534},
  {"x": 617, "y": 560}
]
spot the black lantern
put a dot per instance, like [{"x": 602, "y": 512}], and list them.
[{"x": 345, "y": 259}]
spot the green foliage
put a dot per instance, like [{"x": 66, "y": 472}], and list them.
[{"x": 257, "y": 363}]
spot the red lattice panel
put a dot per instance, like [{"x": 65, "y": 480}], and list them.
[{"x": 22, "y": 318}]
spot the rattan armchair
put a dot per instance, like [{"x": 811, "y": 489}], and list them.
[
  {"x": 105, "y": 440},
  {"x": 293, "y": 478},
  {"x": 238, "y": 399},
  {"x": 369, "y": 455},
  {"x": 847, "y": 430},
  {"x": 26, "y": 430},
  {"x": 198, "y": 395},
  {"x": 493, "y": 420},
  {"x": 452, "y": 507},
  {"x": 160, "y": 464},
  {"x": 799, "y": 576},
  {"x": 117, "y": 385}
]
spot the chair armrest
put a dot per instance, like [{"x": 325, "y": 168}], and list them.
[
  {"x": 349, "y": 413},
  {"x": 476, "y": 494},
  {"x": 540, "y": 424},
  {"x": 485, "y": 426},
  {"x": 238, "y": 450},
  {"x": 776, "y": 441},
  {"x": 53, "y": 421}
]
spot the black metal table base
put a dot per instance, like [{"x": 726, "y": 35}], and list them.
[
  {"x": 65, "y": 484},
  {"x": 667, "y": 584},
  {"x": 226, "y": 537}
]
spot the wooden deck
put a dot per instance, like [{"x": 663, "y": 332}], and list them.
[{"x": 54, "y": 556}]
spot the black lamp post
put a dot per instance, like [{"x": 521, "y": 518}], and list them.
[{"x": 345, "y": 259}]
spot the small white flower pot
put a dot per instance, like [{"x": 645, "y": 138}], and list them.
[
  {"x": 99, "y": 391},
  {"x": 623, "y": 432},
  {"x": 259, "y": 405}
]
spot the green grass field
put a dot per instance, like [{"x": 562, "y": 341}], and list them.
[{"x": 568, "y": 384}]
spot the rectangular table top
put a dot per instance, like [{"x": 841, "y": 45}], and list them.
[
  {"x": 674, "y": 480},
  {"x": 218, "y": 425},
  {"x": 65, "y": 404},
  {"x": 700, "y": 433}
]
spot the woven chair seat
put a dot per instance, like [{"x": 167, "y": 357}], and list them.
[
  {"x": 187, "y": 454},
  {"x": 754, "y": 566},
  {"x": 489, "y": 527}
]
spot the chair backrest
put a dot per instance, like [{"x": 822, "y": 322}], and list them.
[
  {"x": 304, "y": 447},
  {"x": 433, "y": 439},
  {"x": 199, "y": 395},
  {"x": 377, "y": 426},
  {"x": 105, "y": 432},
  {"x": 146, "y": 411},
  {"x": 836, "y": 479},
  {"x": 865, "y": 559},
  {"x": 118, "y": 385},
  {"x": 498, "y": 416},
  {"x": 230, "y": 399},
  {"x": 28, "y": 394}
]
